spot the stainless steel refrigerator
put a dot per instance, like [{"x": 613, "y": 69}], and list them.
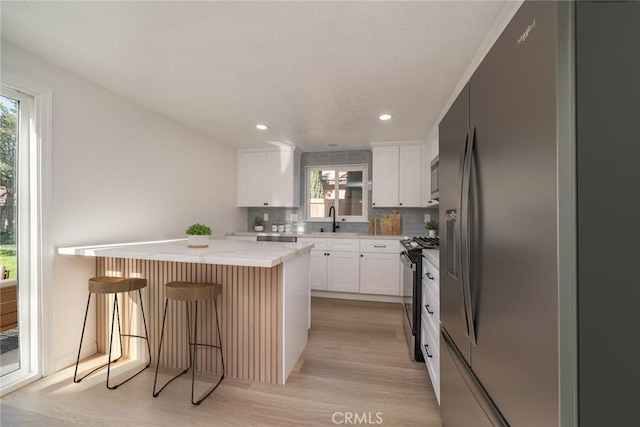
[{"x": 520, "y": 161}]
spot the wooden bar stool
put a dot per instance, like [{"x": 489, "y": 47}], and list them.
[
  {"x": 114, "y": 285},
  {"x": 191, "y": 293}
]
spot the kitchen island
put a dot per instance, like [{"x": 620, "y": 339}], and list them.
[{"x": 264, "y": 307}]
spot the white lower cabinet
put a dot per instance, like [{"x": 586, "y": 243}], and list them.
[
  {"x": 318, "y": 267},
  {"x": 379, "y": 267},
  {"x": 334, "y": 264},
  {"x": 356, "y": 266},
  {"x": 343, "y": 272},
  {"x": 430, "y": 327}
]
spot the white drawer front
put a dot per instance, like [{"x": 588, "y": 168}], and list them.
[
  {"x": 372, "y": 245},
  {"x": 431, "y": 355},
  {"x": 344, "y": 245},
  {"x": 320, "y": 244},
  {"x": 432, "y": 275},
  {"x": 430, "y": 308}
]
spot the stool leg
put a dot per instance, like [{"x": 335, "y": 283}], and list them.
[
  {"x": 75, "y": 378},
  {"x": 146, "y": 331},
  {"x": 75, "y": 374},
  {"x": 155, "y": 381},
  {"x": 194, "y": 362},
  {"x": 164, "y": 318},
  {"x": 113, "y": 319},
  {"x": 212, "y": 389},
  {"x": 215, "y": 306},
  {"x": 146, "y": 337}
]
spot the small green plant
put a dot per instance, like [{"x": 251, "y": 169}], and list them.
[
  {"x": 198, "y": 230},
  {"x": 432, "y": 225},
  {"x": 258, "y": 221}
]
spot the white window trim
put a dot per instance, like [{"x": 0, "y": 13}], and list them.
[
  {"x": 42, "y": 247},
  {"x": 348, "y": 168}
]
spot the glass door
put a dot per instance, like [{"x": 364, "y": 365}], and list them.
[{"x": 15, "y": 290}]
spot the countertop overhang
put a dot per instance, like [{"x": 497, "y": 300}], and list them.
[{"x": 220, "y": 252}]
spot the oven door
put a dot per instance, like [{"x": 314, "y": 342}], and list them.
[{"x": 408, "y": 275}]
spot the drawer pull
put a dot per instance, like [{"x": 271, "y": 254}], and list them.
[
  {"x": 379, "y": 246},
  {"x": 426, "y": 348},
  {"x": 430, "y": 276},
  {"x": 426, "y": 307}
]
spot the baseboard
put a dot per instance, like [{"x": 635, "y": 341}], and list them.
[
  {"x": 357, "y": 297},
  {"x": 69, "y": 359}
]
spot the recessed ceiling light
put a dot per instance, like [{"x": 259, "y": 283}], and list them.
[
  {"x": 385, "y": 117},
  {"x": 262, "y": 127}
]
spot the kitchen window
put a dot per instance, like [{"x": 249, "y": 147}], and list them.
[{"x": 344, "y": 187}]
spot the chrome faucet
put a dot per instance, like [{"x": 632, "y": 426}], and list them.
[{"x": 335, "y": 226}]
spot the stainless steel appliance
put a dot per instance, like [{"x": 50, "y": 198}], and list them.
[
  {"x": 411, "y": 258},
  {"x": 550, "y": 116},
  {"x": 435, "y": 185}
]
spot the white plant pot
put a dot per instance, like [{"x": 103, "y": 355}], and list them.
[
  {"x": 258, "y": 227},
  {"x": 432, "y": 233},
  {"x": 198, "y": 241}
]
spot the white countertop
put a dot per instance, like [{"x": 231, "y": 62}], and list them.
[
  {"x": 433, "y": 255},
  {"x": 328, "y": 235},
  {"x": 221, "y": 252}
]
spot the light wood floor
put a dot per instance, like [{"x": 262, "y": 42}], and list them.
[{"x": 356, "y": 362}]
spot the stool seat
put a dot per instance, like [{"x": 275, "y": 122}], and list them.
[
  {"x": 114, "y": 285},
  {"x": 189, "y": 291}
]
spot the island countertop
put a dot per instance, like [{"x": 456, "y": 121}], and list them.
[{"x": 221, "y": 252}]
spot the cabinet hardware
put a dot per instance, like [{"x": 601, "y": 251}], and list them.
[
  {"x": 379, "y": 246},
  {"x": 426, "y": 348},
  {"x": 430, "y": 277},
  {"x": 426, "y": 307}
]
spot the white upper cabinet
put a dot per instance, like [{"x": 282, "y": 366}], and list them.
[
  {"x": 397, "y": 174},
  {"x": 269, "y": 177}
]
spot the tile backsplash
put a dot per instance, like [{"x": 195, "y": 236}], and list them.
[{"x": 413, "y": 223}]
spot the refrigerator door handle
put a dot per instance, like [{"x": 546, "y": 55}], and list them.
[{"x": 465, "y": 234}]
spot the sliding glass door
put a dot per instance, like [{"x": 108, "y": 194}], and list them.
[{"x": 16, "y": 293}]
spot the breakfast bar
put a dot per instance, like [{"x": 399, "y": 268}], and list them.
[{"x": 264, "y": 304}]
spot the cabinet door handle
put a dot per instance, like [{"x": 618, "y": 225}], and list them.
[
  {"x": 426, "y": 307},
  {"x": 361, "y": 256},
  {"x": 373, "y": 203},
  {"x": 400, "y": 203},
  {"x": 426, "y": 348},
  {"x": 379, "y": 246},
  {"x": 430, "y": 276}
]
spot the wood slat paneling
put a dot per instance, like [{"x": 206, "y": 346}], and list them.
[{"x": 250, "y": 316}]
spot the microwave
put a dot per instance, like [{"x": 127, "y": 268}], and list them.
[{"x": 435, "y": 188}]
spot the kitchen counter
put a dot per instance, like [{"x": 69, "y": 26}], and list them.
[
  {"x": 264, "y": 306},
  {"x": 220, "y": 252},
  {"x": 327, "y": 235},
  {"x": 433, "y": 255}
]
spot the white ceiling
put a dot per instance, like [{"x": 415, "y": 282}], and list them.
[{"x": 316, "y": 72}]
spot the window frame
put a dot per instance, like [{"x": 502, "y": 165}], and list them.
[{"x": 364, "y": 168}]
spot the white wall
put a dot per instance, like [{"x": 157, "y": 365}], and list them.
[{"x": 120, "y": 173}]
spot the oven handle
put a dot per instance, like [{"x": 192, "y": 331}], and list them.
[{"x": 406, "y": 261}]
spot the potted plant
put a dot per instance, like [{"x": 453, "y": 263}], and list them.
[
  {"x": 432, "y": 226},
  {"x": 198, "y": 236},
  {"x": 258, "y": 224}
]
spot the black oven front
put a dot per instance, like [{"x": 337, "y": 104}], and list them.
[{"x": 412, "y": 281}]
